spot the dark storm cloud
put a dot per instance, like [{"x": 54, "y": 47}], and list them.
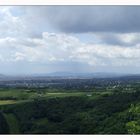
[
  {"x": 79, "y": 19},
  {"x": 117, "y": 39},
  {"x": 113, "y": 40}
]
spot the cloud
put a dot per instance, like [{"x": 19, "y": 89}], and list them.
[
  {"x": 10, "y": 25},
  {"x": 81, "y": 19},
  {"x": 110, "y": 24},
  {"x": 73, "y": 19},
  {"x": 19, "y": 22},
  {"x": 27, "y": 40},
  {"x": 57, "y": 48},
  {"x": 124, "y": 39}
]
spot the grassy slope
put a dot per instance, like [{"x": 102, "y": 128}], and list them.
[
  {"x": 17, "y": 94},
  {"x": 5, "y": 102}
]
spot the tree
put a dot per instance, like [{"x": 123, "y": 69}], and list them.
[{"x": 4, "y": 128}]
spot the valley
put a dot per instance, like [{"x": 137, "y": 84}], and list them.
[{"x": 87, "y": 106}]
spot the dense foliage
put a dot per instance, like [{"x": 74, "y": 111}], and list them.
[
  {"x": 3, "y": 125},
  {"x": 116, "y": 113}
]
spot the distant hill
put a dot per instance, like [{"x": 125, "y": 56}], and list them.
[
  {"x": 69, "y": 75},
  {"x": 86, "y": 75},
  {"x": 2, "y": 76}
]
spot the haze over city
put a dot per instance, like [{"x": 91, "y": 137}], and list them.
[{"x": 78, "y": 39}]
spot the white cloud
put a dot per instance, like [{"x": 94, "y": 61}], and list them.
[
  {"x": 10, "y": 25},
  {"x": 62, "y": 47}
]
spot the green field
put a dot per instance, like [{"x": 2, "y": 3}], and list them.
[
  {"x": 4, "y": 102},
  {"x": 12, "y": 96}
]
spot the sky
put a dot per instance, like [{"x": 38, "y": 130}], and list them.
[{"x": 78, "y": 39}]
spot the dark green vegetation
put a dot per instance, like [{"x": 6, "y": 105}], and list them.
[{"x": 114, "y": 110}]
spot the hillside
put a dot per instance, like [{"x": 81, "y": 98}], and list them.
[{"x": 39, "y": 112}]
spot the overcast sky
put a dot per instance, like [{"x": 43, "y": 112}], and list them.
[{"x": 44, "y": 39}]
